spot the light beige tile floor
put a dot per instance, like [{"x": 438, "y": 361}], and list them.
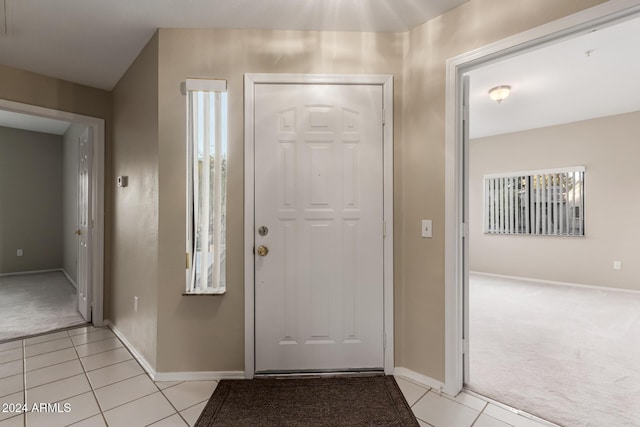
[
  {"x": 94, "y": 375},
  {"x": 85, "y": 377},
  {"x": 434, "y": 409}
]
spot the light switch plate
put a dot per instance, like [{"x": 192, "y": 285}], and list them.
[{"x": 427, "y": 228}]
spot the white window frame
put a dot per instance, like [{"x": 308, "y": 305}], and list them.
[
  {"x": 194, "y": 285},
  {"x": 514, "y": 204}
]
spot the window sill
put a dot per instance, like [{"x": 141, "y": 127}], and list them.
[{"x": 208, "y": 293}]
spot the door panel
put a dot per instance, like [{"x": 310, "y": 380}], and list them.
[
  {"x": 319, "y": 191},
  {"x": 85, "y": 198}
]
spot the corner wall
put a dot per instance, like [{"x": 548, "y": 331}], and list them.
[
  {"x": 134, "y": 251},
  {"x": 612, "y": 209}
]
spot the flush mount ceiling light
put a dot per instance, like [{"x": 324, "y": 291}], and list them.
[{"x": 499, "y": 93}]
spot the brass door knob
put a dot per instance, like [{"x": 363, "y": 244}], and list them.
[
  {"x": 263, "y": 251},
  {"x": 78, "y": 232}
]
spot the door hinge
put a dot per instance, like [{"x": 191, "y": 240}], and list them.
[
  {"x": 465, "y": 229},
  {"x": 188, "y": 264},
  {"x": 384, "y": 117}
]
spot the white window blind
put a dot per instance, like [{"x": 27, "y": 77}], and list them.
[
  {"x": 544, "y": 202},
  {"x": 207, "y": 178}
]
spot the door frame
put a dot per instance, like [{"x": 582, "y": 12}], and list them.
[
  {"x": 97, "y": 183},
  {"x": 456, "y": 159},
  {"x": 250, "y": 81}
]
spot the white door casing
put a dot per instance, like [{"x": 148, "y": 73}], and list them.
[
  {"x": 85, "y": 202},
  {"x": 319, "y": 192},
  {"x": 313, "y": 238},
  {"x": 456, "y": 245}
]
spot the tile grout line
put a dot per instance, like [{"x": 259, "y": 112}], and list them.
[
  {"x": 93, "y": 392},
  {"x": 170, "y": 402}
]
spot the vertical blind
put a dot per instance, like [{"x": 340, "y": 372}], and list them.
[
  {"x": 545, "y": 202},
  {"x": 207, "y": 135}
]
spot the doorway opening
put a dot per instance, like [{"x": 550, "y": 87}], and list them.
[
  {"x": 52, "y": 222},
  {"x": 463, "y": 189}
]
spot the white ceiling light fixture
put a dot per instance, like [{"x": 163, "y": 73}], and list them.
[{"x": 499, "y": 93}]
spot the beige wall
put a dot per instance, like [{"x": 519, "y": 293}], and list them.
[
  {"x": 35, "y": 89},
  {"x": 207, "y": 333},
  {"x": 30, "y": 200},
  {"x": 134, "y": 251},
  {"x": 612, "y": 214},
  {"x": 420, "y": 165},
  {"x": 70, "y": 200}
]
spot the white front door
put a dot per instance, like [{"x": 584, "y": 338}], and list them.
[
  {"x": 319, "y": 214},
  {"x": 85, "y": 198}
]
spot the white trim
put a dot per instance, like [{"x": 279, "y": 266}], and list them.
[
  {"x": 250, "y": 80},
  {"x": 73, "y": 282},
  {"x": 536, "y": 172},
  {"x": 132, "y": 349},
  {"x": 19, "y": 273},
  {"x": 554, "y": 282},
  {"x": 199, "y": 376},
  {"x": 173, "y": 376},
  {"x": 581, "y": 22},
  {"x": 510, "y": 409},
  {"x": 206, "y": 85},
  {"x": 97, "y": 251},
  {"x": 419, "y": 379}
]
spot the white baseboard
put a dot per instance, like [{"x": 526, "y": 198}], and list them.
[
  {"x": 139, "y": 357},
  {"x": 552, "y": 282},
  {"x": 75, "y": 285},
  {"x": 199, "y": 376},
  {"x": 19, "y": 273},
  {"x": 419, "y": 379},
  {"x": 174, "y": 376}
]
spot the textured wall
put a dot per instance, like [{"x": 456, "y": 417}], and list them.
[
  {"x": 421, "y": 164},
  {"x": 134, "y": 251},
  {"x": 207, "y": 333}
]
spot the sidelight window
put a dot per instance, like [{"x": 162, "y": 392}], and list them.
[{"x": 207, "y": 182}]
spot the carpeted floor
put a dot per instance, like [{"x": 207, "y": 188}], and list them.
[
  {"x": 35, "y": 303},
  {"x": 569, "y": 355},
  {"x": 309, "y": 402}
]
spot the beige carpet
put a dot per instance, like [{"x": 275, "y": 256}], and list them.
[
  {"x": 34, "y": 303},
  {"x": 569, "y": 355}
]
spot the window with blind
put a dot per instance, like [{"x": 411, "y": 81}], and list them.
[
  {"x": 545, "y": 202},
  {"x": 207, "y": 182}
]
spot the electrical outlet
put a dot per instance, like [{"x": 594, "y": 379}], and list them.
[
  {"x": 617, "y": 265},
  {"x": 427, "y": 228},
  {"x": 19, "y": 252},
  {"x": 135, "y": 304}
]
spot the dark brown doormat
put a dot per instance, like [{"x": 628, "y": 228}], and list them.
[{"x": 308, "y": 402}]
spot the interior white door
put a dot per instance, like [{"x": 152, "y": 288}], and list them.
[
  {"x": 319, "y": 214},
  {"x": 85, "y": 198}
]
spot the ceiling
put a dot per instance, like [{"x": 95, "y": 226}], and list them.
[
  {"x": 33, "y": 123},
  {"x": 594, "y": 75},
  {"x": 93, "y": 42}
]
